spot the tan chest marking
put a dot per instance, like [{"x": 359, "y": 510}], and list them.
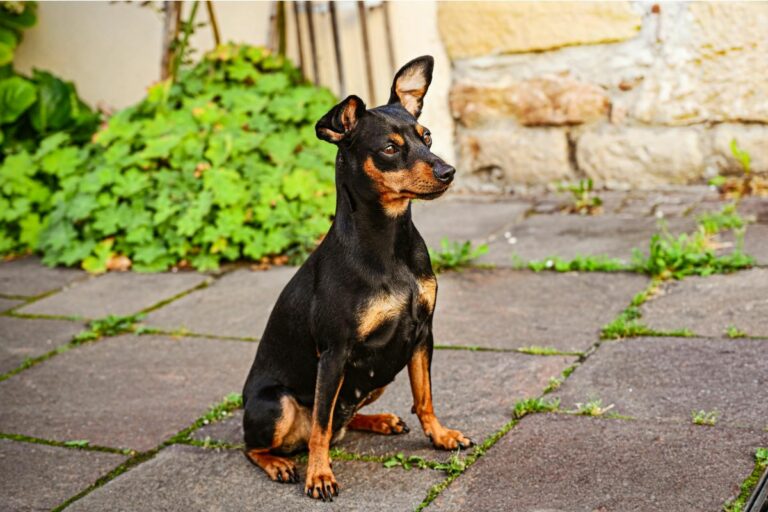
[
  {"x": 428, "y": 292},
  {"x": 378, "y": 310}
]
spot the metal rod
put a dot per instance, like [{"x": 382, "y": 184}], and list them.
[
  {"x": 366, "y": 49},
  {"x": 337, "y": 49},
  {"x": 281, "y": 36},
  {"x": 299, "y": 42},
  {"x": 312, "y": 43},
  {"x": 388, "y": 33},
  {"x": 214, "y": 23}
]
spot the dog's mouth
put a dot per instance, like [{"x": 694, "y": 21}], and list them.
[{"x": 428, "y": 195}]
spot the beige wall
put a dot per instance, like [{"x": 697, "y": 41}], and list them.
[{"x": 112, "y": 51}]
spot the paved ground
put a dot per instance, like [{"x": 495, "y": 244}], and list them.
[{"x": 120, "y": 423}]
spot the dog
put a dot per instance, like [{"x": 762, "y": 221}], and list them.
[{"x": 360, "y": 308}]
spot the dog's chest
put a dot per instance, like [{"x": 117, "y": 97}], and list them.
[{"x": 407, "y": 305}]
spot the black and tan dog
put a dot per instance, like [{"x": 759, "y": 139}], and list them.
[{"x": 360, "y": 308}]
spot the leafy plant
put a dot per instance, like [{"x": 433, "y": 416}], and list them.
[
  {"x": 592, "y": 408},
  {"x": 455, "y": 255},
  {"x": 708, "y": 418},
  {"x": 578, "y": 264},
  {"x": 553, "y": 384},
  {"x": 712, "y": 223},
  {"x": 735, "y": 332},
  {"x": 78, "y": 443},
  {"x": 455, "y": 465},
  {"x": 14, "y": 18},
  {"x": 747, "y": 183},
  {"x": 531, "y": 405},
  {"x": 33, "y": 107},
  {"x": 686, "y": 255},
  {"x": 111, "y": 325},
  {"x": 747, "y": 486},
  {"x": 222, "y": 165},
  {"x": 407, "y": 463},
  {"x": 584, "y": 200}
]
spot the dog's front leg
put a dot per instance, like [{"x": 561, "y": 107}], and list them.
[
  {"x": 321, "y": 484},
  {"x": 421, "y": 386}
]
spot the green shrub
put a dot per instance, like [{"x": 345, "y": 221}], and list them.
[
  {"x": 222, "y": 165},
  {"x": 32, "y": 108}
]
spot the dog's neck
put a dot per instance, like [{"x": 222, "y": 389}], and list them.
[{"x": 362, "y": 224}]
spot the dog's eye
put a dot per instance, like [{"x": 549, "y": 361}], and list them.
[
  {"x": 428, "y": 138},
  {"x": 390, "y": 149}
]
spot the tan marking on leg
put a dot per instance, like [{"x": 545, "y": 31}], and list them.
[
  {"x": 372, "y": 397},
  {"x": 418, "y": 371},
  {"x": 293, "y": 428},
  {"x": 428, "y": 292},
  {"x": 385, "y": 423},
  {"x": 279, "y": 469},
  {"x": 378, "y": 310},
  {"x": 319, "y": 474}
]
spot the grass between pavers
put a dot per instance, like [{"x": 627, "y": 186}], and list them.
[
  {"x": 748, "y": 485},
  {"x": 75, "y": 444},
  {"x": 456, "y": 256},
  {"x": 217, "y": 412},
  {"x": 531, "y": 350}
]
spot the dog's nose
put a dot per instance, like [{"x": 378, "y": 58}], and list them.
[{"x": 444, "y": 172}]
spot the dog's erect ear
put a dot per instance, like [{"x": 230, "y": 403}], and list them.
[
  {"x": 411, "y": 84},
  {"x": 340, "y": 120}
]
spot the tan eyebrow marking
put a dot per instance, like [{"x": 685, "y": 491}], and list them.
[
  {"x": 397, "y": 139},
  {"x": 420, "y": 130}
]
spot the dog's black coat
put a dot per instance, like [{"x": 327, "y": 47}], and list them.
[{"x": 312, "y": 348}]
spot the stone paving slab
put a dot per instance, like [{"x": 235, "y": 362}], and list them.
[
  {"x": 123, "y": 392},
  {"x": 668, "y": 378},
  {"x": 474, "y": 392},
  {"x": 556, "y": 462},
  {"x": 116, "y": 293},
  {"x": 7, "y": 304},
  {"x": 183, "y": 478},
  {"x": 461, "y": 219},
  {"x": 238, "y": 304},
  {"x": 567, "y": 236},
  {"x": 756, "y": 243},
  {"x": 504, "y": 308},
  {"x": 40, "y": 477},
  {"x": 29, "y": 277},
  {"x": 709, "y": 305},
  {"x": 22, "y": 338}
]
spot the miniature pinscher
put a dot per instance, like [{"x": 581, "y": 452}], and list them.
[{"x": 359, "y": 310}]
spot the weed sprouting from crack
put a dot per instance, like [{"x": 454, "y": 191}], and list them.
[
  {"x": 110, "y": 325},
  {"x": 733, "y": 332},
  {"x": 708, "y": 418},
  {"x": 747, "y": 486},
  {"x": 79, "y": 444},
  {"x": 535, "y": 350},
  {"x": 532, "y": 405},
  {"x": 455, "y": 255},
  {"x": 577, "y": 264},
  {"x": 593, "y": 407}
]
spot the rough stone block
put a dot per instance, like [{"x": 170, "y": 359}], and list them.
[
  {"x": 123, "y": 392},
  {"x": 709, "y": 305},
  {"x": 23, "y": 338},
  {"x": 558, "y": 462},
  {"x": 7, "y": 304},
  {"x": 641, "y": 157},
  {"x": 637, "y": 375},
  {"x": 550, "y": 100},
  {"x": 511, "y": 155},
  {"x": 40, "y": 477},
  {"x": 238, "y": 304},
  {"x": 471, "y": 29},
  {"x": 510, "y": 309},
  {"x": 182, "y": 478},
  {"x": 122, "y": 293}
]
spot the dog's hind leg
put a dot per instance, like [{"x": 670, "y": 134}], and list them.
[{"x": 275, "y": 423}]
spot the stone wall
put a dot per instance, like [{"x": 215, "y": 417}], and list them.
[{"x": 629, "y": 94}]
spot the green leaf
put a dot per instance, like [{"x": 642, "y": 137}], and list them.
[
  {"x": 53, "y": 107},
  {"x": 16, "y": 96}
]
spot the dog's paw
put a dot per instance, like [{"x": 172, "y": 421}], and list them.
[
  {"x": 447, "y": 439},
  {"x": 277, "y": 468},
  {"x": 387, "y": 424},
  {"x": 321, "y": 485}
]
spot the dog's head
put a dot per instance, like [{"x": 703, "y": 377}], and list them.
[{"x": 386, "y": 146}]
